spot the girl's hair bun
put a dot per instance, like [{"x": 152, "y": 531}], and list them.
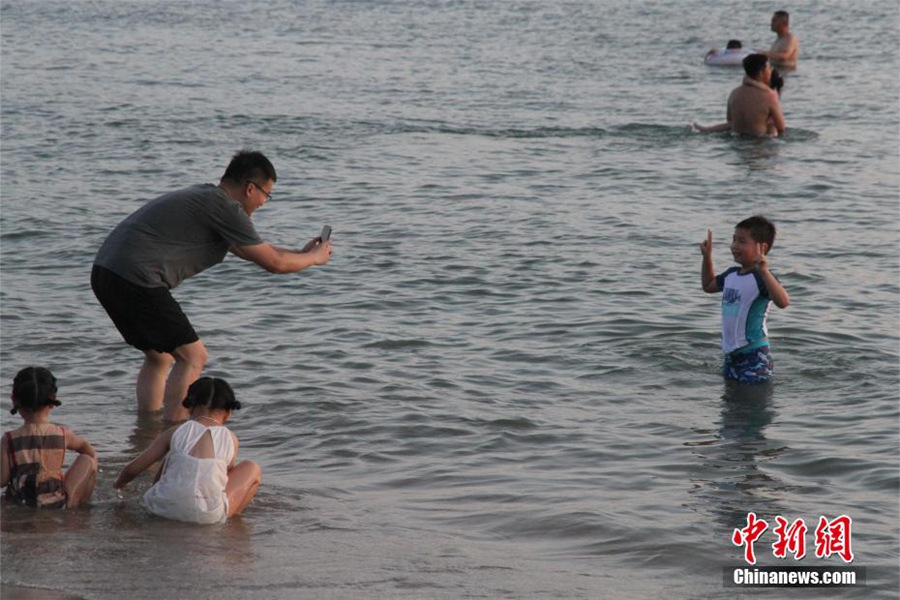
[
  {"x": 33, "y": 389},
  {"x": 211, "y": 392}
]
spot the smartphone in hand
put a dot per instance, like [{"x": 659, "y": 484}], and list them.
[{"x": 325, "y": 235}]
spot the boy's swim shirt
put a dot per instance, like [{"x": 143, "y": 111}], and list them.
[{"x": 745, "y": 306}]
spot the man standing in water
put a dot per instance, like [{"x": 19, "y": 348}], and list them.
[
  {"x": 753, "y": 106},
  {"x": 785, "y": 49},
  {"x": 170, "y": 239}
]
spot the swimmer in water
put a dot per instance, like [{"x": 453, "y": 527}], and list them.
[
  {"x": 785, "y": 48},
  {"x": 754, "y": 108}
]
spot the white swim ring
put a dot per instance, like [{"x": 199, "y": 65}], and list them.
[{"x": 727, "y": 58}]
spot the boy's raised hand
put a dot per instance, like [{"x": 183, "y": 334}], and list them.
[
  {"x": 706, "y": 245},
  {"x": 762, "y": 262}
]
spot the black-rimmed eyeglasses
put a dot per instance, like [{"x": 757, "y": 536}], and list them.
[{"x": 260, "y": 188}]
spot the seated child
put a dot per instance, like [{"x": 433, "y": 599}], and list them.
[
  {"x": 199, "y": 480},
  {"x": 746, "y": 293},
  {"x": 32, "y": 456}
]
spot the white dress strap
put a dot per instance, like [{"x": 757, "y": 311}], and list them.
[{"x": 186, "y": 436}]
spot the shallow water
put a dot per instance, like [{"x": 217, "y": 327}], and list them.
[{"x": 505, "y": 383}]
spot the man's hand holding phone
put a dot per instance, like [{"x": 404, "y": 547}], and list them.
[{"x": 320, "y": 246}]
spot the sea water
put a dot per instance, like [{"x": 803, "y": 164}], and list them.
[{"x": 505, "y": 383}]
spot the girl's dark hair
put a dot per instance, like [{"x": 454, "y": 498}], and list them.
[
  {"x": 33, "y": 389},
  {"x": 211, "y": 392},
  {"x": 777, "y": 81}
]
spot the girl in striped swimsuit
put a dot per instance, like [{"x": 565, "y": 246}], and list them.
[{"x": 32, "y": 456}]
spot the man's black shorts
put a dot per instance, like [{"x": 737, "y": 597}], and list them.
[{"x": 148, "y": 318}]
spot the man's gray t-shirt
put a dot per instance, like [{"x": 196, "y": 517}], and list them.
[{"x": 177, "y": 236}]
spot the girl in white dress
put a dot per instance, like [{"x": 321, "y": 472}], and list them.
[{"x": 199, "y": 480}]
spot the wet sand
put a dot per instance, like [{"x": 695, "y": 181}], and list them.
[{"x": 9, "y": 591}]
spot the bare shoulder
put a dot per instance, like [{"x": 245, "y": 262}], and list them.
[
  {"x": 744, "y": 94},
  {"x": 165, "y": 438}
]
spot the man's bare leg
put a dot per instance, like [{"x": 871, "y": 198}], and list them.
[
  {"x": 189, "y": 362},
  {"x": 151, "y": 380}
]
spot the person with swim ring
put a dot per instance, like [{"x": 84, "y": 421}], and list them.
[{"x": 732, "y": 55}]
